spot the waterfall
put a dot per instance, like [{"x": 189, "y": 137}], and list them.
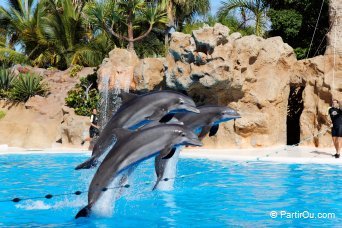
[
  {"x": 110, "y": 101},
  {"x": 104, "y": 99}
]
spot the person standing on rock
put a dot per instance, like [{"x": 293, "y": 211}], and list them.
[
  {"x": 94, "y": 128},
  {"x": 335, "y": 113}
]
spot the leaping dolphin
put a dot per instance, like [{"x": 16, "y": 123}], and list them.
[
  {"x": 136, "y": 147},
  {"x": 134, "y": 113},
  {"x": 207, "y": 120}
]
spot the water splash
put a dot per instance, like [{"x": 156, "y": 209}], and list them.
[
  {"x": 110, "y": 100},
  {"x": 170, "y": 172},
  {"x": 104, "y": 94}
]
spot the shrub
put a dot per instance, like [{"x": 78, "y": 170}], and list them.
[
  {"x": 6, "y": 79},
  {"x": 75, "y": 69},
  {"x": 28, "y": 85},
  {"x": 81, "y": 99},
  {"x": 2, "y": 114}
]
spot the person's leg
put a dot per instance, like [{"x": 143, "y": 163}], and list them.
[
  {"x": 88, "y": 139},
  {"x": 335, "y": 142},
  {"x": 339, "y": 145}
]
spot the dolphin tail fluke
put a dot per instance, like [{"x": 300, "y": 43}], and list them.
[
  {"x": 90, "y": 163},
  {"x": 84, "y": 212}
]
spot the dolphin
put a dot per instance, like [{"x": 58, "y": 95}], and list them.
[
  {"x": 136, "y": 147},
  {"x": 135, "y": 112},
  {"x": 207, "y": 120}
]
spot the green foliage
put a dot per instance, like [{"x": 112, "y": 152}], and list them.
[
  {"x": 52, "y": 33},
  {"x": 6, "y": 79},
  {"x": 295, "y": 21},
  {"x": 254, "y": 10},
  {"x": 2, "y": 114},
  {"x": 126, "y": 21},
  {"x": 9, "y": 57},
  {"x": 84, "y": 97},
  {"x": 286, "y": 22},
  {"x": 231, "y": 22},
  {"x": 301, "y": 53},
  {"x": 28, "y": 85},
  {"x": 152, "y": 46},
  {"x": 75, "y": 69}
]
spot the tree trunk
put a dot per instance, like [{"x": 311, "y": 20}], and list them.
[
  {"x": 130, "y": 31},
  {"x": 334, "y": 36},
  {"x": 171, "y": 22}
]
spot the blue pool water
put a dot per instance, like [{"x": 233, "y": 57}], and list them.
[{"x": 233, "y": 195}]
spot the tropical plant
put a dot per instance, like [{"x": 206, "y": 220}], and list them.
[
  {"x": 28, "y": 85},
  {"x": 21, "y": 21},
  {"x": 179, "y": 11},
  {"x": 230, "y": 21},
  {"x": 6, "y": 79},
  {"x": 127, "y": 20},
  {"x": 249, "y": 10},
  {"x": 84, "y": 97}
]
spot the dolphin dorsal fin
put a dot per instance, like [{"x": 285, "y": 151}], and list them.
[
  {"x": 121, "y": 133},
  {"x": 127, "y": 96}
]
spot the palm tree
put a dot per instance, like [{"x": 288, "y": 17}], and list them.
[
  {"x": 63, "y": 37},
  {"x": 255, "y": 7},
  {"x": 123, "y": 19},
  {"x": 180, "y": 10},
  {"x": 21, "y": 22}
]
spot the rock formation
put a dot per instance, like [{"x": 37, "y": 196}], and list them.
[
  {"x": 41, "y": 122},
  {"x": 251, "y": 74},
  {"x": 335, "y": 33}
]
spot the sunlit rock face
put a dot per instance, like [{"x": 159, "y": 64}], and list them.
[
  {"x": 334, "y": 35},
  {"x": 252, "y": 75}
]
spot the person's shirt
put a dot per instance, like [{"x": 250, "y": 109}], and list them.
[
  {"x": 93, "y": 119},
  {"x": 336, "y": 116}
]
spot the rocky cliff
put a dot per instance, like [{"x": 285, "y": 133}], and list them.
[
  {"x": 44, "y": 122},
  {"x": 253, "y": 75},
  {"x": 281, "y": 100}
]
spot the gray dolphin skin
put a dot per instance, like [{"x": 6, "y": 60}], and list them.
[
  {"x": 138, "y": 146},
  {"x": 136, "y": 111},
  {"x": 207, "y": 120}
]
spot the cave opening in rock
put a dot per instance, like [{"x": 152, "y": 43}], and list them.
[{"x": 294, "y": 110}]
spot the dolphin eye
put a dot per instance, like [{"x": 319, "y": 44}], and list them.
[
  {"x": 183, "y": 134},
  {"x": 181, "y": 102}
]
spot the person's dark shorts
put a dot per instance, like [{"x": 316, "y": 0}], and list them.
[
  {"x": 93, "y": 132},
  {"x": 336, "y": 131}
]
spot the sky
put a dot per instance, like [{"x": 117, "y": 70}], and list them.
[{"x": 214, "y": 5}]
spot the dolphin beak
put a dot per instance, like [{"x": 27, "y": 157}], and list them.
[
  {"x": 192, "y": 109},
  {"x": 194, "y": 142}
]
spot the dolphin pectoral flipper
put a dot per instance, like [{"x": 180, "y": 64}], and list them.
[
  {"x": 204, "y": 132},
  {"x": 213, "y": 130},
  {"x": 167, "y": 154},
  {"x": 167, "y": 118},
  {"x": 89, "y": 163},
  {"x": 84, "y": 212}
]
